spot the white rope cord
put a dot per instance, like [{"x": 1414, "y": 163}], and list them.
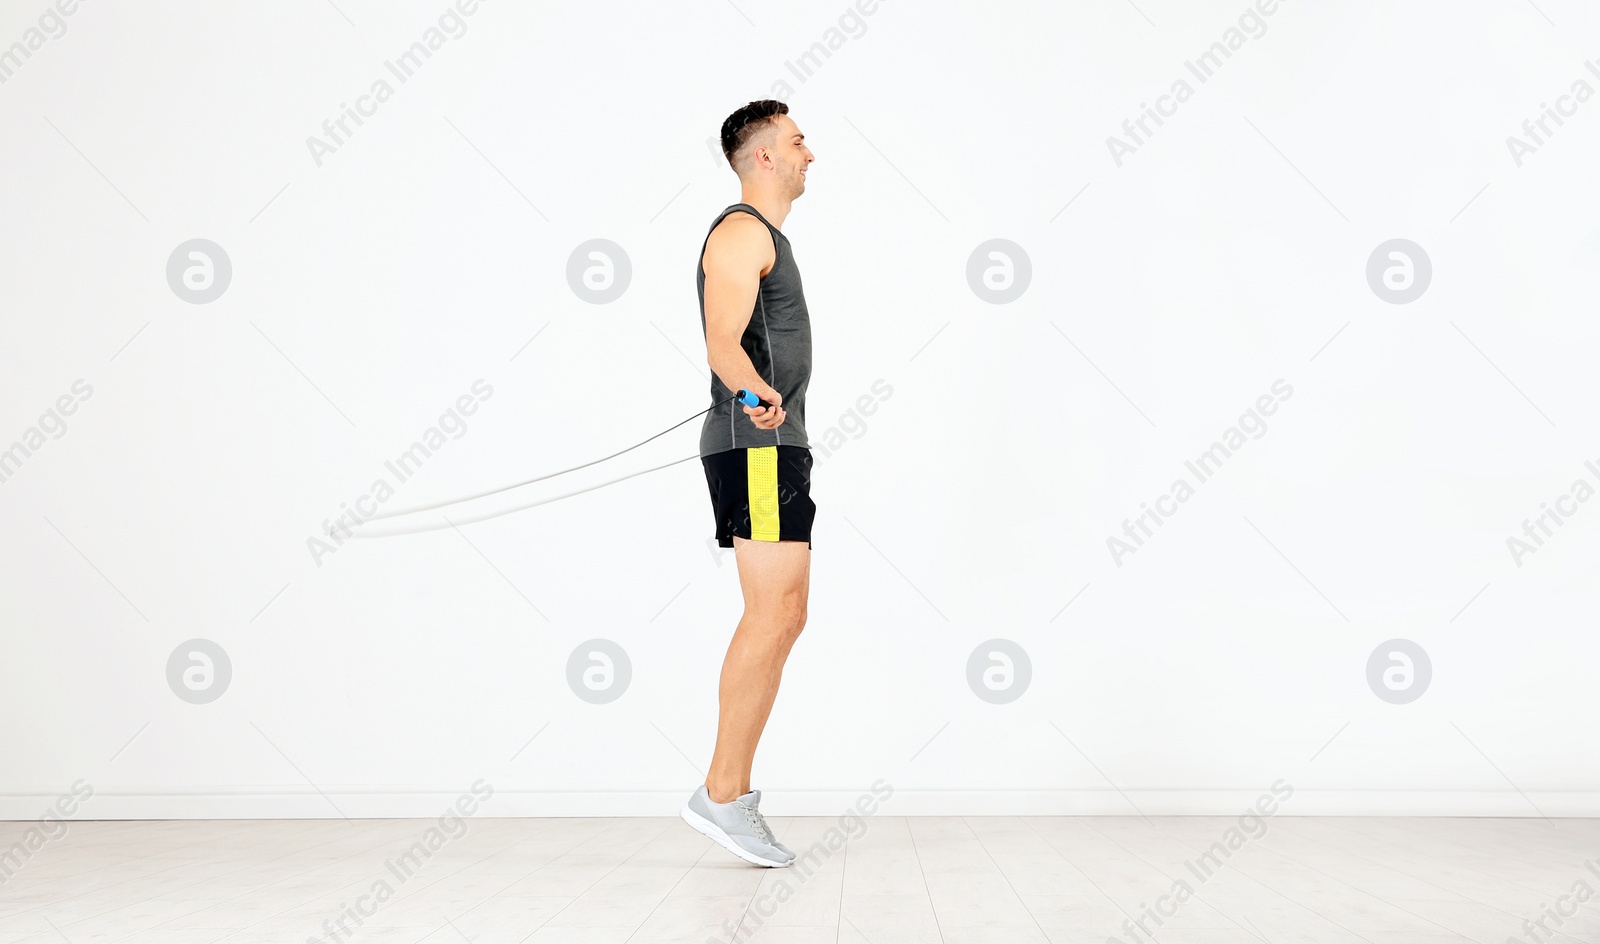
[
  {"x": 360, "y": 532},
  {"x": 506, "y": 488}
]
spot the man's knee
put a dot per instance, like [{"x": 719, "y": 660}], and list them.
[
  {"x": 787, "y": 610},
  {"x": 792, "y": 611}
]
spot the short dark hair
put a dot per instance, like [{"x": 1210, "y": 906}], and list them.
[{"x": 744, "y": 124}]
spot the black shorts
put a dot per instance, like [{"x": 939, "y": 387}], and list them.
[{"x": 761, "y": 493}]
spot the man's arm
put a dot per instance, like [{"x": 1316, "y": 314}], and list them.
[{"x": 737, "y": 252}]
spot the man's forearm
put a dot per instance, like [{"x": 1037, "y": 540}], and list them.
[{"x": 734, "y": 368}]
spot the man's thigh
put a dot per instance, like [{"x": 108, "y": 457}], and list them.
[{"x": 773, "y": 573}]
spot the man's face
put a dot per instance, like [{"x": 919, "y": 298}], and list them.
[{"x": 790, "y": 156}]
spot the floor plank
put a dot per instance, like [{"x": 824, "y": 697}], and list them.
[{"x": 883, "y": 880}]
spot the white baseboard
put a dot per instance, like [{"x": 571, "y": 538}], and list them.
[{"x": 409, "y": 803}]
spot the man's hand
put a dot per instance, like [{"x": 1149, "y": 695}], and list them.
[{"x": 766, "y": 417}]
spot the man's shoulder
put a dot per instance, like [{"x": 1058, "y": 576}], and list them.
[
  {"x": 740, "y": 223},
  {"x": 742, "y": 236}
]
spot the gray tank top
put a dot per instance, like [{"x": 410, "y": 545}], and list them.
[{"x": 778, "y": 340}]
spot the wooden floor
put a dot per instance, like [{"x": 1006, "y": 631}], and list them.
[{"x": 976, "y": 880}]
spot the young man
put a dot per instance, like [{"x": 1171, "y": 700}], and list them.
[{"x": 757, "y": 460}]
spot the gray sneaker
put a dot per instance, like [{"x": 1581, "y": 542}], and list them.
[
  {"x": 755, "y": 803},
  {"x": 736, "y": 826}
]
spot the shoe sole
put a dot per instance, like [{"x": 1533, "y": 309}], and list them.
[{"x": 709, "y": 829}]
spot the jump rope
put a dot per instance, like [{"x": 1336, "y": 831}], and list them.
[{"x": 745, "y": 397}]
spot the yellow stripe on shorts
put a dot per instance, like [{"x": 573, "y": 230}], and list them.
[{"x": 763, "y": 477}]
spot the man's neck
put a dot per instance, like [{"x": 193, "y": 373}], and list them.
[{"x": 773, "y": 207}]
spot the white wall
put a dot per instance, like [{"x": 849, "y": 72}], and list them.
[{"x": 1168, "y": 294}]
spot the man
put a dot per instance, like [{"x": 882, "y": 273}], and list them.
[{"x": 757, "y": 465}]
